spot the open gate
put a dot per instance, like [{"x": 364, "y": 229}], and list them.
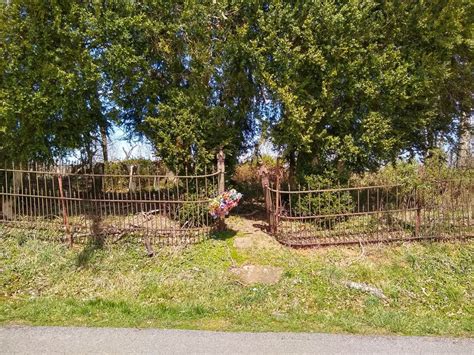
[{"x": 303, "y": 217}]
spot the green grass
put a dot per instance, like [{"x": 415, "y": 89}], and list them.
[{"x": 429, "y": 287}]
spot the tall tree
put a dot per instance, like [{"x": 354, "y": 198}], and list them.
[
  {"x": 341, "y": 86},
  {"x": 181, "y": 77},
  {"x": 50, "y": 80},
  {"x": 360, "y": 83}
]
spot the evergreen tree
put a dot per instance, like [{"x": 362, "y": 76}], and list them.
[
  {"x": 360, "y": 83},
  {"x": 51, "y": 82},
  {"x": 339, "y": 87}
]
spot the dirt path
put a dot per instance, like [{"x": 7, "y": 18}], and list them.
[{"x": 251, "y": 233}]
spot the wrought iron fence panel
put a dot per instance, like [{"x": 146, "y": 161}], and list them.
[
  {"x": 171, "y": 209},
  {"x": 435, "y": 209}
]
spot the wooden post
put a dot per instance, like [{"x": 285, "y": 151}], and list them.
[
  {"x": 131, "y": 183},
  {"x": 14, "y": 201},
  {"x": 149, "y": 249},
  {"x": 417, "y": 222},
  {"x": 221, "y": 170},
  {"x": 221, "y": 184},
  {"x": 64, "y": 208},
  {"x": 18, "y": 180}
]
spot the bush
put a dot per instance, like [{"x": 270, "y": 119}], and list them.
[
  {"x": 323, "y": 202},
  {"x": 431, "y": 179},
  {"x": 142, "y": 166},
  {"x": 247, "y": 181},
  {"x": 193, "y": 215},
  {"x": 145, "y": 167}
]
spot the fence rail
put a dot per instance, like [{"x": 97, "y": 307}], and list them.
[
  {"x": 166, "y": 209},
  {"x": 436, "y": 209}
]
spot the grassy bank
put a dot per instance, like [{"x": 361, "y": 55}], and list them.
[{"x": 429, "y": 287}]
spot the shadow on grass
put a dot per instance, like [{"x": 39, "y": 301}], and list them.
[
  {"x": 262, "y": 226},
  {"x": 224, "y": 235},
  {"x": 256, "y": 215},
  {"x": 86, "y": 254},
  {"x": 251, "y": 211}
]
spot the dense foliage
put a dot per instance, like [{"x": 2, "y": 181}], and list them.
[
  {"x": 338, "y": 87},
  {"x": 361, "y": 83},
  {"x": 50, "y": 81}
]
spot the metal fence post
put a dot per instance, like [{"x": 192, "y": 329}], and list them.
[
  {"x": 418, "y": 213},
  {"x": 64, "y": 208},
  {"x": 221, "y": 184},
  {"x": 277, "y": 202}
]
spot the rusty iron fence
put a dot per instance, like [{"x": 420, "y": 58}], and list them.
[
  {"x": 76, "y": 204},
  {"x": 163, "y": 209},
  {"x": 434, "y": 209}
]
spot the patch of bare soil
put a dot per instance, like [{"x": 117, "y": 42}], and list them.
[{"x": 251, "y": 233}]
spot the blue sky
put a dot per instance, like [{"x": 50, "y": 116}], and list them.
[{"x": 118, "y": 143}]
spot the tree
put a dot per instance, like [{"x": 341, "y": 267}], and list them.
[
  {"x": 182, "y": 79},
  {"x": 358, "y": 84},
  {"x": 51, "y": 81},
  {"x": 339, "y": 87}
]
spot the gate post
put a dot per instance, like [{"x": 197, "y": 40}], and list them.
[
  {"x": 221, "y": 170},
  {"x": 278, "y": 172},
  {"x": 264, "y": 175},
  {"x": 221, "y": 184}
]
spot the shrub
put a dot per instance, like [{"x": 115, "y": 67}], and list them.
[
  {"x": 322, "y": 202},
  {"x": 193, "y": 215},
  {"x": 246, "y": 178}
]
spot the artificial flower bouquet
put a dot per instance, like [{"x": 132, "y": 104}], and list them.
[{"x": 222, "y": 204}]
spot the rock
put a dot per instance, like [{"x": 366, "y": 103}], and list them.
[
  {"x": 366, "y": 288},
  {"x": 257, "y": 274}
]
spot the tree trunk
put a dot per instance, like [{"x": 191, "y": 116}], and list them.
[
  {"x": 292, "y": 168},
  {"x": 104, "y": 143},
  {"x": 465, "y": 139}
]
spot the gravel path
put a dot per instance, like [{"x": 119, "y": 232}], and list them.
[{"x": 50, "y": 340}]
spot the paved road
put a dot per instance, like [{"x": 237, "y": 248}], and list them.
[{"x": 42, "y": 340}]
